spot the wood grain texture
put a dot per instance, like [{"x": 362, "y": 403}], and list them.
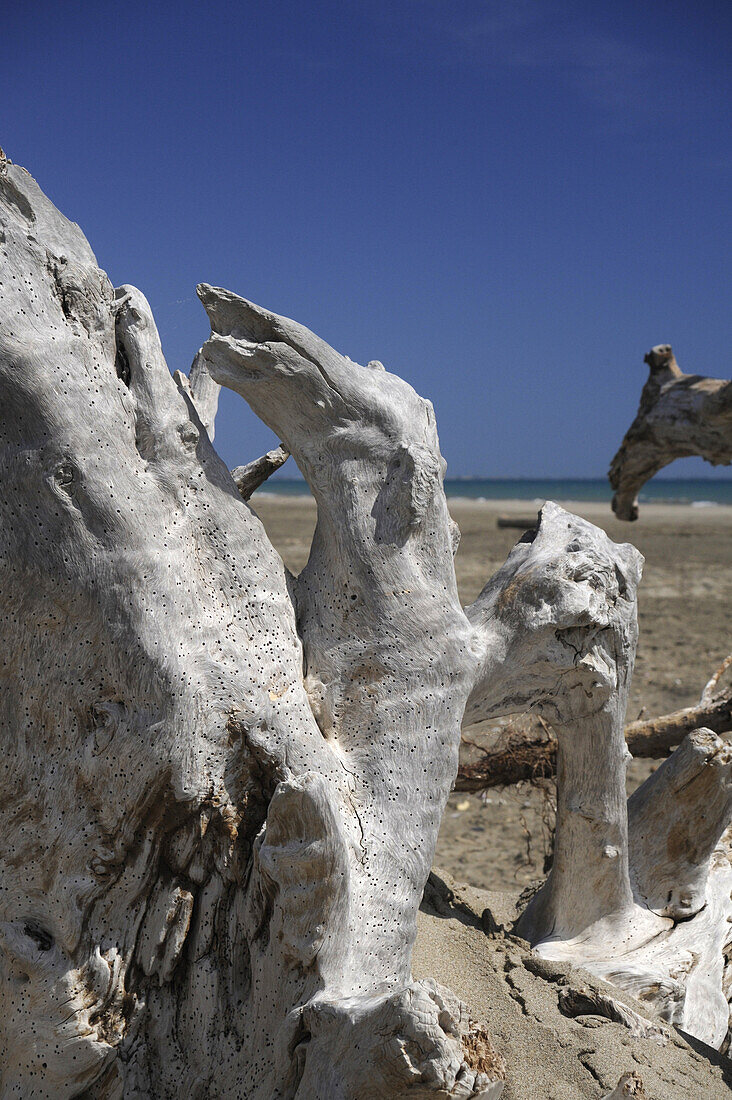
[{"x": 221, "y": 788}]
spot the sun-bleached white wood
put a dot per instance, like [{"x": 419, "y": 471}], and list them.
[
  {"x": 667, "y": 939},
  {"x": 565, "y": 645},
  {"x": 679, "y": 415},
  {"x": 518, "y": 754},
  {"x": 248, "y": 478},
  {"x": 221, "y": 788},
  {"x": 639, "y": 891},
  {"x": 200, "y": 387},
  {"x": 221, "y": 785}
]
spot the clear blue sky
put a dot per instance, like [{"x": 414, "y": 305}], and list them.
[{"x": 507, "y": 203}]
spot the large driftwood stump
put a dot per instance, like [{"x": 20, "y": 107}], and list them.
[
  {"x": 680, "y": 415},
  {"x": 221, "y": 785}
]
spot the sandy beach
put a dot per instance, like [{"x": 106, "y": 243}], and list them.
[{"x": 497, "y": 841}]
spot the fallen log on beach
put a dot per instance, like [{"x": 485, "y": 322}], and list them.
[
  {"x": 655, "y": 737},
  {"x": 521, "y": 523},
  {"x": 518, "y": 755}
]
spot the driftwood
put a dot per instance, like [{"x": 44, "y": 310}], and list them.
[
  {"x": 514, "y": 756},
  {"x": 640, "y": 895},
  {"x": 222, "y": 785},
  {"x": 551, "y": 1019},
  {"x": 520, "y": 523},
  {"x": 248, "y": 478},
  {"x": 680, "y": 415},
  {"x": 211, "y": 863}
]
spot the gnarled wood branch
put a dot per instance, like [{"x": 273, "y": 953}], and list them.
[
  {"x": 517, "y": 755},
  {"x": 679, "y": 415},
  {"x": 248, "y": 478},
  {"x": 200, "y": 387},
  {"x": 676, "y": 819}
]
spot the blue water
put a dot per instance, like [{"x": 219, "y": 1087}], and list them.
[{"x": 661, "y": 490}]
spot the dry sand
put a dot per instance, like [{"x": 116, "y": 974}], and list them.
[
  {"x": 550, "y": 1054},
  {"x": 498, "y": 841}
]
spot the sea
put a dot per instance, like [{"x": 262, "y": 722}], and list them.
[{"x": 701, "y": 492}]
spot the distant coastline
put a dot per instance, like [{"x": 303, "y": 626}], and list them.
[{"x": 697, "y": 491}]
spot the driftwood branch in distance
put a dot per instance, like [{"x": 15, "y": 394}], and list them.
[
  {"x": 679, "y": 415},
  {"x": 521, "y": 523},
  {"x": 517, "y": 755}
]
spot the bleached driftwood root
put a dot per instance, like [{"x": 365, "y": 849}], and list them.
[
  {"x": 517, "y": 755},
  {"x": 667, "y": 936},
  {"x": 654, "y": 921},
  {"x": 639, "y": 892},
  {"x": 210, "y": 864},
  {"x": 559, "y": 634},
  {"x": 679, "y": 415},
  {"x": 221, "y": 785}
]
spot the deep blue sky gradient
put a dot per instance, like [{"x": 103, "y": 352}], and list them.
[{"x": 506, "y": 203}]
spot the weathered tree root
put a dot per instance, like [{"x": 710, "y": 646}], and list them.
[
  {"x": 210, "y": 863},
  {"x": 221, "y": 785},
  {"x": 679, "y": 415},
  {"x": 514, "y": 757},
  {"x": 656, "y": 924}
]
